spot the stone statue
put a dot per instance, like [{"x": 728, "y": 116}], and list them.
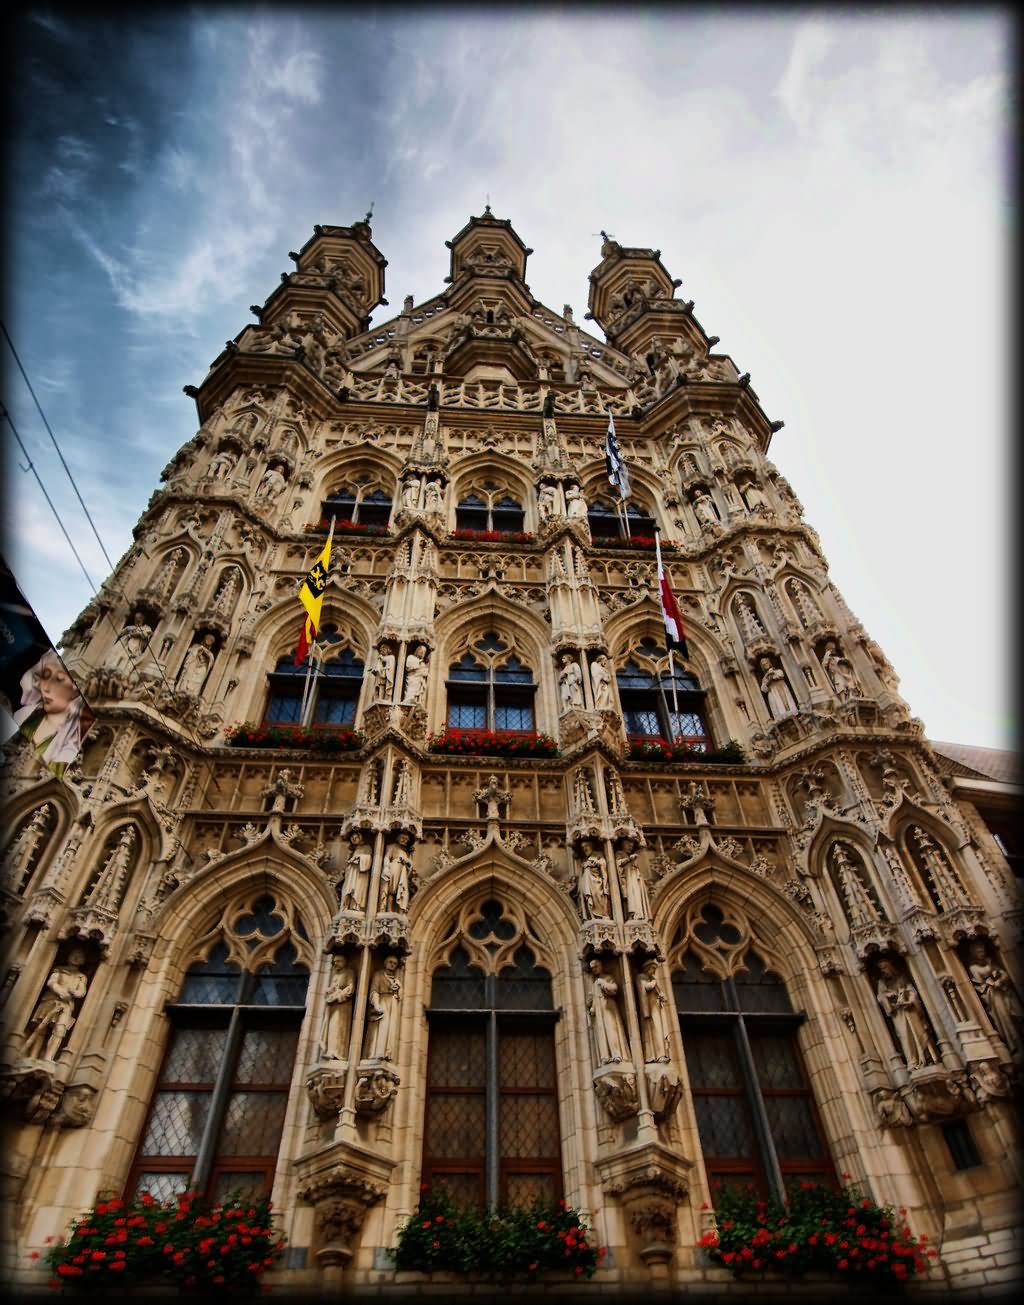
[
  {"x": 221, "y": 465},
  {"x": 384, "y": 674},
  {"x": 281, "y": 789},
  {"x": 337, "y": 1011},
  {"x": 547, "y": 502},
  {"x": 755, "y": 497},
  {"x": 357, "y": 874},
  {"x": 839, "y": 671},
  {"x": 997, "y": 994},
  {"x": 272, "y": 484},
  {"x": 575, "y": 504},
  {"x": 54, "y": 1017},
  {"x": 776, "y": 690},
  {"x": 134, "y": 640},
  {"x": 898, "y": 998},
  {"x": 411, "y": 494},
  {"x": 638, "y": 906},
  {"x": 570, "y": 683},
  {"x": 704, "y": 508},
  {"x": 382, "y": 1011},
  {"x": 609, "y": 1037},
  {"x": 196, "y": 666},
  {"x": 435, "y": 497},
  {"x": 593, "y": 885},
  {"x": 653, "y": 1009},
  {"x": 416, "y": 672},
  {"x": 394, "y": 877},
  {"x": 601, "y": 681}
]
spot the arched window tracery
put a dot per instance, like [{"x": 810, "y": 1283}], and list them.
[
  {"x": 217, "y": 1111},
  {"x": 491, "y": 1130},
  {"x": 489, "y": 688},
  {"x": 489, "y": 508},
  {"x": 364, "y": 500},
  {"x": 756, "y": 1116},
  {"x": 335, "y": 685},
  {"x": 604, "y": 517},
  {"x": 660, "y": 700}
]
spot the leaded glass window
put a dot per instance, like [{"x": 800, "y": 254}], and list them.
[
  {"x": 491, "y": 1130},
  {"x": 335, "y": 686},
  {"x": 488, "y": 509},
  {"x": 217, "y": 1113},
  {"x": 755, "y": 1111},
  {"x": 489, "y": 688},
  {"x": 660, "y": 700}
]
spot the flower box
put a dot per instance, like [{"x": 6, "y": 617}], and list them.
[
  {"x": 322, "y": 526},
  {"x": 186, "y": 1244},
  {"x": 491, "y": 743},
  {"x": 494, "y": 1245},
  {"x": 660, "y": 750},
  {"x": 495, "y": 536},
  {"x": 635, "y": 541},
  {"x": 817, "y": 1229},
  {"x": 316, "y": 739}
]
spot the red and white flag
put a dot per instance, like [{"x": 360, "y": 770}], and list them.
[{"x": 675, "y": 632}]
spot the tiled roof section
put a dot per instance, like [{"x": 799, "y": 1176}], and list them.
[{"x": 981, "y": 763}]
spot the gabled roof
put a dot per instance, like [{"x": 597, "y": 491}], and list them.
[{"x": 981, "y": 763}]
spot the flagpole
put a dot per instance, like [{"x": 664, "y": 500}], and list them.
[
  {"x": 306, "y": 696},
  {"x": 668, "y": 645}
]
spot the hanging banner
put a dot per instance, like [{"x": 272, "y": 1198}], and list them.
[{"x": 39, "y": 697}]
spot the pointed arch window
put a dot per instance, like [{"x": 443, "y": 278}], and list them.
[
  {"x": 489, "y": 688},
  {"x": 491, "y": 1130},
  {"x": 605, "y": 521},
  {"x": 336, "y": 686},
  {"x": 215, "y": 1120},
  {"x": 659, "y": 702},
  {"x": 362, "y": 503},
  {"x": 756, "y": 1115},
  {"x": 484, "y": 510}
]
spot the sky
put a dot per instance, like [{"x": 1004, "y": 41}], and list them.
[{"x": 833, "y": 188}]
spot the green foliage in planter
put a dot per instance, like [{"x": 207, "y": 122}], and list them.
[
  {"x": 246, "y": 735},
  {"x": 822, "y": 1228},
  {"x": 226, "y": 1247},
  {"x": 661, "y": 750},
  {"x": 506, "y": 1241}
]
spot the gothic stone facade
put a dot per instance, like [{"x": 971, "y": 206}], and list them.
[{"x": 832, "y": 891}]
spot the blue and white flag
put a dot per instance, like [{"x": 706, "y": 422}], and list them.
[{"x": 618, "y": 476}]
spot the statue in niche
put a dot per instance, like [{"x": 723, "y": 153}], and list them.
[
  {"x": 899, "y": 999},
  {"x": 575, "y": 504},
  {"x": 411, "y": 494},
  {"x": 382, "y": 1011},
  {"x": 704, "y": 508},
  {"x": 547, "y": 502},
  {"x": 19, "y": 856},
  {"x": 196, "y": 666},
  {"x": 384, "y": 674},
  {"x": 755, "y": 497},
  {"x": 601, "y": 682},
  {"x": 434, "y": 497},
  {"x": 638, "y": 905},
  {"x": 357, "y": 874},
  {"x": 394, "y": 877},
  {"x": 272, "y": 484},
  {"x": 416, "y": 672},
  {"x": 54, "y": 1017},
  {"x": 593, "y": 884},
  {"x": 776, "y": 690},
  {"x": 997, "y": 994},
  {"x": 609, "y": 1036},
  {"x": 570, "y": 683},
  {"x": 106, "y": 892},
  {"x": 221, "y": 465},
  {"x": 134, "y": 640},
  {"x": 839, "y": 671},
  {"x": 653, "y": 1009},
  {"x": 337, "y": 1011}
]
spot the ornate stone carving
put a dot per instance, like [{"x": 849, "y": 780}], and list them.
[
  {"x": 616, "y": 1090},
  {"x": 326, "y": 1091},
  {"x": 376, "y": 1088}
]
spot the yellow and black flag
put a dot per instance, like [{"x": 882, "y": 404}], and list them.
[{"x": 311, "y": 595}]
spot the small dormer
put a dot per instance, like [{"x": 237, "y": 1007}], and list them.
[
  {"x": 488, "y": 247},
  {"x": 339, "y": 272},
  {"x": 629, "y": 285}
]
